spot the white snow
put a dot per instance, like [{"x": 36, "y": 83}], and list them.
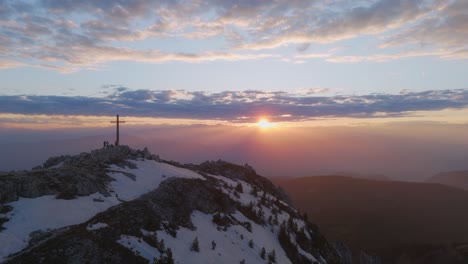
[
  {"x": 96, "y": 226},
  {"x": 306, "y": 254},
  {"x": 306, "y": 232},
  {"x": 230, "y": 247},
  {"x": 47, "y": 212},
  {"x": 57, "y": 166},
  {"x": 149, "y": 175},
  {"x": 44, "y": 213},
  {"x": 245, "y": 197},
  {"x": 139, "y": 247}
]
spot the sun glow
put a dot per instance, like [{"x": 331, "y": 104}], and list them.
[{"x": 264, "y": 123}]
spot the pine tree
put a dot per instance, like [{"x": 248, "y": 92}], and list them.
[
  {"x": 283, "y": 235},
  {"x": 263, "y": 253},
  {"x": 272, "y": 256},
  {"x": 239, "y": 188},
  {"x": 274, "y": 211},
  {"x": 254, "y": 191},
  {"x": 260, "y": 213},
  {"x": 213, "y": 245},
  {"x": 170, "y": 258},
  {"x": 162, "y": 246},
  {"x": 195, "y": 247},
  {"x": 251, "y": 244}
]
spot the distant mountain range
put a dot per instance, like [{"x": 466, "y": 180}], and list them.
[
  {"x": 120, "y": 205},
  {"x": 377, "y": 177},
  {"x": 400, "y": 221},
  {"x": 458, "y": 179}
]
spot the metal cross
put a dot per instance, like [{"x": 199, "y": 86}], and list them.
[{"x": 117, "y": 122}]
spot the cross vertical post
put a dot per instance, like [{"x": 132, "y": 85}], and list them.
[{"x": 117, "y": 140}]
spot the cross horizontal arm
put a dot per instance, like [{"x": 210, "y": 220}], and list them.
[{"x": 118, "y": 122}]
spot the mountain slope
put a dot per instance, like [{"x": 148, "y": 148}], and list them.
[
  {"x": 458, "y": 179},
  {"x": 119, "y": 205},
  {"x": 381, "y": 214}
]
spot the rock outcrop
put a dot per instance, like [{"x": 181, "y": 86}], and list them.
[{"x": 69, "y": 176}]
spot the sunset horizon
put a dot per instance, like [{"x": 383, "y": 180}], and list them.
[{"x": 209, "y": 121}]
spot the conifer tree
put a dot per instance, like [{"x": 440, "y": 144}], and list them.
[
  {"x": 254, "y": 191},
  {"x": 213, "y": 245},
  {"x": 272, "y": 256},
  {"x": 162, "y": 246},
  {"x": 169, "y": 257},
  {"x": 263, "y": 253},
  {"x": 239, "y": 188},
  {"x": 195, "y": 247}
]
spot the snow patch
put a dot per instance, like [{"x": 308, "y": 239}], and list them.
[
  {"x": 60, "y": 165},
  {"x": 245, "y": 197},
  {"x": 306, "y": 254},
  {"x": 96, "y": 226},
  {"x": 148, "y": 175},
  {"x": 232, "y": 246},
  {"x": 139, "y": 247},
  {"x": 46, "y": 212}
]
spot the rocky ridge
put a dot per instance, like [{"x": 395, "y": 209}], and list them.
[{"x": 214, "y": 211}]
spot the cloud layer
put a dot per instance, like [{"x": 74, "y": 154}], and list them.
[
  {"x": 68, "y": 35},
  {"x": 237, "y": 106}
]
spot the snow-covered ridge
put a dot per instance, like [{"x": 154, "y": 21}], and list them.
[
  {"x": 233, "y": 237},
  {"x": 234, "y": 245},
  {"x": 151, "y": 210},
  {"x": 48, "y": 212}
]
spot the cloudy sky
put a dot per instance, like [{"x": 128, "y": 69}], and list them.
[
  {"x": 233, "y": 60},
  {"x": 67, "y": 63}
]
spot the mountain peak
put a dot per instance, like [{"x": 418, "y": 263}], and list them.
[{"x": 122, "y": 205}]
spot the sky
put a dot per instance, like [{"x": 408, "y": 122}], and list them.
[{"x": 332, "y": 66}]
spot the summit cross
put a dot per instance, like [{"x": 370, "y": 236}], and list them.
[{"x": 117, "y": 122}]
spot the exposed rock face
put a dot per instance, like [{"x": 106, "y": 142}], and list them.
[
  {"x": 69, "y": 176},
  {"x": 245, "y": 173},
  {"x": 244, "y": 213}
]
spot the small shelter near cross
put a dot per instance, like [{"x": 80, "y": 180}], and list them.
[{"x": 117, "y": 140}]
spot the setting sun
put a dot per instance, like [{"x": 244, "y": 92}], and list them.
[{"x": 264, "y": 123}]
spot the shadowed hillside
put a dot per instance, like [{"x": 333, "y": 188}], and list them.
[
  {"x": 381, "y": 214},
  {"x": 458, "y": 179}
]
